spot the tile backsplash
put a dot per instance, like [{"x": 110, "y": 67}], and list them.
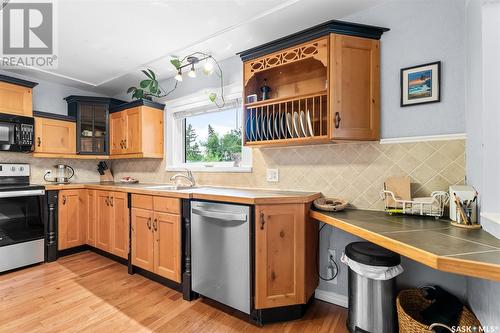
[{"x": 353, "y": 171}]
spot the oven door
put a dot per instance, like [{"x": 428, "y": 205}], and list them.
[{"x": 21, "y": 217}]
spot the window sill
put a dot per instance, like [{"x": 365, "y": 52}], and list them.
[{"x": 196, "y": 168}]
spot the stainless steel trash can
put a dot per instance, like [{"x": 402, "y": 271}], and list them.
[{"x": 372, "y": 300}]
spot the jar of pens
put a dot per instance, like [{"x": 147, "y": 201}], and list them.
[{"x": 463, "y": 207}]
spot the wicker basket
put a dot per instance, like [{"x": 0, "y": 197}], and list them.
[
  {"x": 410, "y": 302},
  {"x": 330, "y": 204}
]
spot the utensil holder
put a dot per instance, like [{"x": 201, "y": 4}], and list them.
[{"x": 107, "y": 177}]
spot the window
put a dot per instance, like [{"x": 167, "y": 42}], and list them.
[{"x": 201, "y": 137}]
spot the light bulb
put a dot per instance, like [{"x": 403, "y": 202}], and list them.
[
  {"x": 208, "y": 68},
  {"x": 178, "y": 77},
  {"x": 192, "y": 72}
]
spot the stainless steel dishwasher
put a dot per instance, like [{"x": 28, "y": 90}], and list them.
[{"x": 220, "y": 253}]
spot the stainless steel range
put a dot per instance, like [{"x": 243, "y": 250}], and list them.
[{"x": 22, "y": 231}]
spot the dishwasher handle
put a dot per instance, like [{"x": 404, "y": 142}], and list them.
[{"x": 220, "y": 215}]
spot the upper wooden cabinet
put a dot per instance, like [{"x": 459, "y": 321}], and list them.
[
  {"x": 16, "y": 96},
  {"x": 92, "y": 129},
  {"x": 137, "y": 131},
  {"x": 285, "y": 255},
  {"x": 72, "y": 218},
  {"x": 323, "y": 86},
  {"x": 355, "y": 88},
  {"x": 53, "y": 136}
]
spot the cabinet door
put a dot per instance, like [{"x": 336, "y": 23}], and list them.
[
  {"x": 117, "y": 133},
  {"x": 119, "y": 224},
  {"x": 16, "y": 100},
  {"x": 133, "y": 139},
  {"x": 142, "y": 239},
  {"x": 279, "y": 259},
  {"x": 91, "y": 217},
  {"x": 355, "y": 88},
  {"x": 55, "y": 136},
  {"x": 167, "y": 245},
  {"x": 71, "y": 228},
  {"x": 103, "y": 221}
]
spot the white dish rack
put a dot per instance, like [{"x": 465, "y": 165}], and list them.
[{"x": 428, "y": 206}]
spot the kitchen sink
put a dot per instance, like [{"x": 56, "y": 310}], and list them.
[{"x": 169, "y": 187}]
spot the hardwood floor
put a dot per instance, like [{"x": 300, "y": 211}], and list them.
[{"x": 86, "y": 292}]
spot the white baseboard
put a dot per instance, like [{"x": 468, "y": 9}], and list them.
[{"x": 331, "y": 297}]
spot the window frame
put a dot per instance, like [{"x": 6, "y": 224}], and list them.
[{"x": 175, "y": 132}]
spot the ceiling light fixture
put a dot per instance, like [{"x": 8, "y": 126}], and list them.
[
  {"x": 192, "y": 72},
  {"x": 178, "y": 77},
  {"x": 208, "y": 67}
]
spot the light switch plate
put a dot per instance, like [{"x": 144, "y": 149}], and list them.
[{"x": 272, "y": 175}]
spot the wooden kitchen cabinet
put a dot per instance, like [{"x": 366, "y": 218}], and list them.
[
  {"x": 142, "y": 239},
  {"x": 119, "y": 224},
  {"x": 284, "y": 263},
  {"x": 16, "y": 96},
  {"x": 137, "y": 131},
  {"x": 72, "y": 219},
  {"x": 167, "y": 245},
  {"x": 54, "y": 136},
  {"x": 103, "y": 221},
  {"x": 355, "y": 76},
  {"x": 156, "y": 235},
  {"x": 91, "y": 217},
  {"x": 112, "y": 223}
]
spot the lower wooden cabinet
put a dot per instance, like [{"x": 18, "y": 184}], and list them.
[
  {"x": 112, "y": 222},
  {"x": 156, "y": 236},
  {"x": 285, "y": 270},
  {"x": 72, "y": 219},
  {"x": 91, "y": 217}
]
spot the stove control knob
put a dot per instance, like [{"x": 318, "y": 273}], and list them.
[
  {"x": 21, "y": 168},
  {"x": 12, "y": 168}
]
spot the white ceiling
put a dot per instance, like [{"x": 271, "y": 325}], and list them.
[{"x": 103, "y": 43}]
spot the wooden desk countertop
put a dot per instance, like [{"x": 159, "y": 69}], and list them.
[
  {"x": 432, "y": 242},
  {"x": 225, "y": 194}
]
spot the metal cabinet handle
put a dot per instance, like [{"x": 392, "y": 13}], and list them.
[
  {"x": 39, "y": 141},
  {"x": 107, "y": 201},
  {"x": 262, "y": 220},
  {"x": 337, "y": 120},
  {"x": 64, "y": 200},
  {"x": 125, "y": 143},
  {"x": 149, "y": 223},
  {"x": 121, "y": 144},
  {"x": 155, "y": 225},
  {"x": 111, "y": 202}
]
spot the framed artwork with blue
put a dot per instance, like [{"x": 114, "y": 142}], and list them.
[{"x": 421, "y": 84}]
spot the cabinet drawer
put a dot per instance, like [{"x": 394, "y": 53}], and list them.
[
  {"x": 167, "y": 205},
  {"x": 142, "y": 201}
]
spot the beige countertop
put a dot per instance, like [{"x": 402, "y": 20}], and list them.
[
  {"x": 432, "y": 242},
  {"x": 227, "y": 194}
]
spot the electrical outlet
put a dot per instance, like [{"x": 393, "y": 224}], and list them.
[
  {"x": 331, "y": 267},
  {"x": 272, "y": 175}
]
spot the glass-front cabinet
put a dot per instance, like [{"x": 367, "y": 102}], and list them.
[{"x": 92, "y": 127}]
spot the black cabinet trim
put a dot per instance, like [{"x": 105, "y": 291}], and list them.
[
  {"x": 18, "y": 82},
  {"x": 320, "y": 30},
  {"x": 55, "y": 116},
  {"x": 133, "y": 104}
]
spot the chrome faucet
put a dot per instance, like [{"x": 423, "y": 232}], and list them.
[{"x": 189, "y": 177}]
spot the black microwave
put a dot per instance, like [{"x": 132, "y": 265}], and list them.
[{"x": 16, "y": 133}]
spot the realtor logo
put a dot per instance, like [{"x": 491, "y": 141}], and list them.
[{"x": 28, "y": 34}]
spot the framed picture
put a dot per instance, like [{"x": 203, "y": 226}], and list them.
[{"x": 421, "y": 84}]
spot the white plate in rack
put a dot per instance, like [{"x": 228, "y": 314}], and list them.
[
  {"x": 289, "y": 124},
  {"x": 258, "y": 137},
  {"x": 303, "y": 125},
  {"x": 296, "y": 125},
  {"x": 309, "y": 123}
]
